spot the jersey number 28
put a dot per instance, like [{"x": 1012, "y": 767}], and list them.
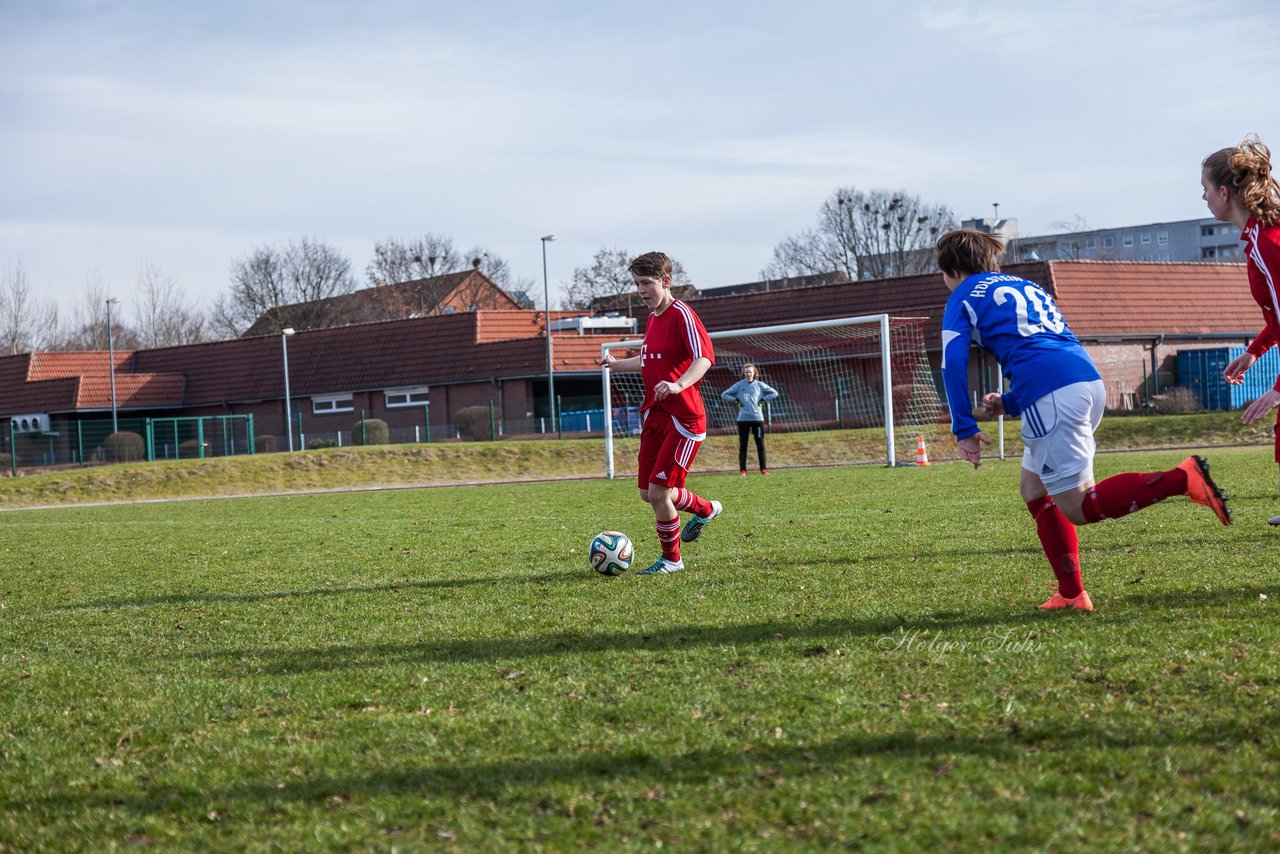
[{"x": 1046, "y": 310}]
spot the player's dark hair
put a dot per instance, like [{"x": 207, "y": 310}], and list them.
[
  {"x": 651, "y": 264},
  {"x": 966, "y": 251},
  {"x": 1246, "y": 170}
]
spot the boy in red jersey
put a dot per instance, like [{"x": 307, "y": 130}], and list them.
[{"x": 673, "y": 359}]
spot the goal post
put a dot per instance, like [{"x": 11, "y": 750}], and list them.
[{"x": 868, "y": 376}]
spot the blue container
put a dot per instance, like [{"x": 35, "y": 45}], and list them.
[
  {"x": 626, "y": 420},
  {"x": 1202, "y": 370}
]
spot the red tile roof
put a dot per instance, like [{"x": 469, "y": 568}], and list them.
[
  {"x": 55, "y": 364},
  {"x": 1127, "y": 298},
  {"x": 133, "y": 391},
  {"x": 66, "y": 381},
  {"x": 499, "y": 325},
  {"x": 1099, "y": 298}
]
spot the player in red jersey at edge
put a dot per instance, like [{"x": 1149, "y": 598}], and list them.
[
  {"x": 674, "y": 357},
  {"x": 1240, "y": 189}
]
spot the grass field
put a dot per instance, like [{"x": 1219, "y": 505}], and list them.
[{"x": 852, "y": 659}]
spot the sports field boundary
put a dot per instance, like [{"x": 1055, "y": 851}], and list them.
[{"x": 550, "y": 478}]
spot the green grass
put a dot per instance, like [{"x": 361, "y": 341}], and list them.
[
  {"x": 851, "y": 660},
  {"x": 454, "y": 463}
]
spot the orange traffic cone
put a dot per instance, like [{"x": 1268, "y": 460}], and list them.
[{"x": 922, "y": 456}]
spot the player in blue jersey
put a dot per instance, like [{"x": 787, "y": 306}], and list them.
[{"x": 1059, "y": 394}]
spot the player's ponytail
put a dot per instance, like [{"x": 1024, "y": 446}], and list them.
[{"x": 1246, "y": 170}]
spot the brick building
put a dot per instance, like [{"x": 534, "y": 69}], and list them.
[{"x": 1133, "y": 317}]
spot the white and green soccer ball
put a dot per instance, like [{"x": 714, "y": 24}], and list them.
[{"x": 611, "y": 553}]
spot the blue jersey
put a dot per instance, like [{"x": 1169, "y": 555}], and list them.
[{"x": 1019, "y": 324}]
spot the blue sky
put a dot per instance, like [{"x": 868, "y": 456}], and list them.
[{"x": 185, "y": 134}]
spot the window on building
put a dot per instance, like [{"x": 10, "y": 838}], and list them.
[
  {"x": 1146, "y": 238},
  {"x": 1208, "y": 253},
  {"x": 1164, "y": 256},
  {"x": 1128, "y": 240},
  {"x": 1206, "y": 231},
  {"x": 1091, "y": 243},
  {"x": 1162, "y": 238},
  {"x": 1108, "y": 242},
  {"x": 401, "y": 397},
  {"x": 332, "y": 403}
]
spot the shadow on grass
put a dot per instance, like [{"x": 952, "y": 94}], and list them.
[
  {"x": 208, "y": 598},
  {"x": 1074, "y": 744},
  {"x": 1030, "y": 550},
  {"x": 1201, "y": 598},
  {"x": 277, "y": 661}
]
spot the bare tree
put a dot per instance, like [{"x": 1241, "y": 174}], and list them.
[
  {"x": 428, "y": 256},
  {"x": 87, "y": 329},
  {"x": 1071, "y": 243},
  {"x": 608, "y": 276},
  {"x": 499, "y": 271},
  {"x": 476, "y": 293},
  {"x": 25, "y": 323},
  {"x": 161, "y": 317},
  {"x": 302, "y": 277},
  {"x": 870, "y": 235}
]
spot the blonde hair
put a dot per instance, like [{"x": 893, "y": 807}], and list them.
[
  {"x": 1246, "y": 171},
  {"x": 966, "y": 251},
  {"x": 752, "y": 366}
]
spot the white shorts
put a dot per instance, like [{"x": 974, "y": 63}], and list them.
[{"x": 1057, "y": 431}]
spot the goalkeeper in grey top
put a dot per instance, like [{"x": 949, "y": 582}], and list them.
[{"x": 749, "y": 393}]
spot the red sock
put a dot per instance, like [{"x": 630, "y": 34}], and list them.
[
  {"x": 669, "y": 538},
  {"x": 686, "y": 500},
  {"x": 1122, "y": 494},
  {"x": 1061, "y": 545}
]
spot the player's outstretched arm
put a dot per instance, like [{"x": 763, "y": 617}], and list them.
[{"x": 631, "y": 363}]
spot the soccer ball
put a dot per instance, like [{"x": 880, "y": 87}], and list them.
[{"x": 611, "y": 553}]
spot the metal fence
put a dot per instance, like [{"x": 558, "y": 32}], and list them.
[
  {"x": 69, "y": 443},
  {"x": 484, "y": 422},
  {"x": 73, "y": 444}
]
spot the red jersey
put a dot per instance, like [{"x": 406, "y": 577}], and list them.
[
  {"x": 1262, "y": 249},
  {"x": 672, "y": 340}
]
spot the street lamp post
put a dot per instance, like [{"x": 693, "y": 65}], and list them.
[
  {"x": 288, "y": 412},
  {"x": 546, "y": 295},
  {"x": 111, "y": 365}
]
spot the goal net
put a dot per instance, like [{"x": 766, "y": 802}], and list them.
[{"x": 850, "y": 390}]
